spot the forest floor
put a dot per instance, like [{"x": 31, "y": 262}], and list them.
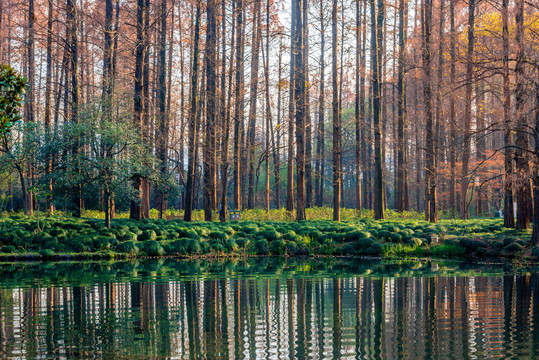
[{"x": 401, "y": 235}]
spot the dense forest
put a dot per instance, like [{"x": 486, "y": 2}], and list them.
[{"x": 423, "y": 105}]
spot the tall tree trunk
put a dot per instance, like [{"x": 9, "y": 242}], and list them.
[
  {"x": 75, "y": 91},
  {"x": 308, "y": 125},
  {"x": 48, "y": 90},
  {"x": 320, "y": 142},
  {"x": 211, "y": 108},
  {"x": 193, "y": 121},
  {"x": 401, "y": 108},
  {"x": 163, "y": 120},
  {"x": 465, "y": 180},
  {"x": 298, "y": 26},
  {"x": 30, "y": 101},
  {"x": 238, "y": 112},
  {"x": 523, "y": 191},
  {"x": 508, "y": 211},
  {"x": 377, "y": 17},
  {"x": 226, "y": 109},
  {"x": 362, "y": 100},
  {"x": 452, "y": 113},
  {"x": 439, "y": 134},
  {"x": 253, "y": 100},
  {"x": 336, "y": 119},
  {"x": 535, "y": 235},
  {"x": 277, "y": 141},
  {"x": 430, "y": 153},
  {"x": 291, "y": 104},
  {"x": 357, "y": 108},
  {"x": 480, "y": 145},
  {"x": 269, "y": 129},
  {"x": 106, "y": 101},
  {"x": 136, "y": 212}
]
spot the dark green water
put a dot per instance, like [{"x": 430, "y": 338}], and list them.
[{"x": 267, "y": 309}]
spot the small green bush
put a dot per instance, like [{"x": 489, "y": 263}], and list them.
[
  {"x": 261, "y": 247},
  {"x": 512, "y": 248},
  {"x": 394, "y": 237},
  {"x": 148, "y": 235},
  {"x": 46, "y": 253},
  {"x": 535, "y": 252},
  {"x": 153, "y": 248},
  {"x": 127, "y": 247},
  {"x": 9, "y": 249}
]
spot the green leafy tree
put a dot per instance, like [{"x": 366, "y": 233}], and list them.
[{"x": 11, "y": 88}]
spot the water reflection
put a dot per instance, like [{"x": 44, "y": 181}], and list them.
[{"x": 266, "y": 309}]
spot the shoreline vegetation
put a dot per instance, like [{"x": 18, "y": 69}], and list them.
[{"x": 60, "y": 237}]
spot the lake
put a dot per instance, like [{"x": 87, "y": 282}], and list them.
[{"x": 267, "y": 308}]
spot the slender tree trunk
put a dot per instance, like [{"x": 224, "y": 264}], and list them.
[
  {"x": 535, "y": 235},
  {"x": 48, "y": 88},
  {"x": 277, "y": 142},
  {"x": 308, "y": 122},
  {"x": 106, "y": 100},
  {"x": 452, "y": 113},
  {"x": 75, "y": 91},
  {"x": 320, "y": 143},
  {"x": 163, "y": 121},
  {"x": 377, "y": 18},
  {"x": 464, "y": 211},
  {"x": 508, "y": 212},
  {"x": 253, "y": 100},
  {"x": 298, "y": 28},
  {"x": 193, "y": 121},
  {"x": 30, "y": 101},
  {"x": 238, "y": 113},
  {"x": 211, "y": 109},
  {"x": 226, "y": 124},
  {"x": 523, "y": 191},
  {"x": 269, "y": 129},
  {"x": 136, "y": 212},
  {"x": 336, "y": 119},
  {"x": 401, "y": 108},
  {"x": 480, "y": 145},
  {"x": 291, "y": 104},
  {"x": 430, "y": 153},
  {"x": 357, "y": 108},
  {"x": 362, "y": 100},
  {"x": 439, "y": 124}
]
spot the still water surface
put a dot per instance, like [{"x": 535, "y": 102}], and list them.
[{"x": 267, "y": 309}]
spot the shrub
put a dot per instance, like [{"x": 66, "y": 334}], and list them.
[
  {"x": 394, "y": 237},
  {"x": 535, "y": 252},
  {"x": 231, "y": 245},
  {"x": 374, "y": 249},
  {"x": 512, "y": 248},
  {"x": 415, "y": 241},
  {"x": 148, "y": 235},
  {"x": 128, "y": 247},
  {"x": 101, "y": 242},
  {"x": 153, "y": 248},
  {"x": 471, "y": 244},
  {"x": 447, "y": 250},
  {"x": 217, "y": 247},
  {"x": 261, "y": 247},
  {"x": 46, "y": 253},
  {"x": 184, "y": 246},
  {"x": 218, "y": 235},
  {"x": 9, "y": 249},
  {"x": 362, "y": 243},
  {"x": 269, "y": 234}
]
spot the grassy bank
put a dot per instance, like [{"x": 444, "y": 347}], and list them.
[{"x": 59, "y": 236}]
